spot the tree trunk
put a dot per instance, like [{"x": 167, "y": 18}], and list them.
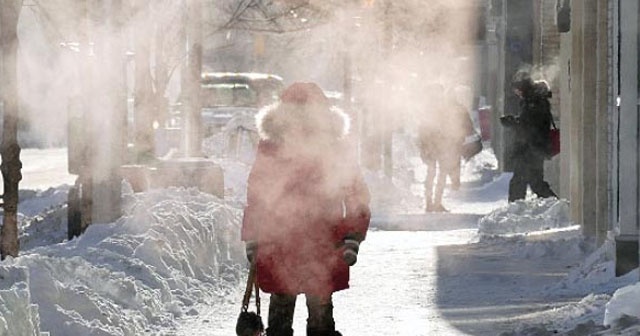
[{"x": 9, "y": 148}]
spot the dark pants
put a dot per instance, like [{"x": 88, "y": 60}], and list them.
[
  {"x": 528, "y": 170},
  {"x": 319, "y": 323}
]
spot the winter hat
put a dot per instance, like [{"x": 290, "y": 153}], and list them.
[
  {"x": 304, "y": 93},
  {"x": 522, "y": 81}
]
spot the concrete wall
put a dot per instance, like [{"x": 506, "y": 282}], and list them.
[
  {"x": 627, "y": 137},
  {"x": 578, "y": 66}
]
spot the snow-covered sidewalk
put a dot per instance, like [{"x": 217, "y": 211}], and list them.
[
  {"x": 393, "y": 291},
  {"x": 174, "y": 265}
]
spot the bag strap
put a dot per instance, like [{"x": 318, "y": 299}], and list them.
[
  {"x": 251, "y": 284},
  {"x": 552, "y": 122}
]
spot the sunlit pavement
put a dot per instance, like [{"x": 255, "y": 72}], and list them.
[{"x": 426, "y": 282}]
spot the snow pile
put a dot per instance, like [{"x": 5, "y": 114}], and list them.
[
  {"x": 173, "y": 250},
  {"x": 34, "y": 202},
  {"x": 541, "y": 229},
  {"x": 47, "y": 228},
  {"x": 594, "y": 279},
  {"x": 624, "y": 302},
  {"x": 17, "y": 315},
  {"x": 567, "y": 243},
  {"x": 595, "y": 274},
  {"x": 523, "y": 216}
]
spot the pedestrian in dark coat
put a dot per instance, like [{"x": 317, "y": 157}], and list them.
[
  {"x": 532, "y": 142},
  {"x": 307, "y": 208}
]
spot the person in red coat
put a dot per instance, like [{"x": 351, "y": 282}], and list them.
[{"x": 307, "y": 208}]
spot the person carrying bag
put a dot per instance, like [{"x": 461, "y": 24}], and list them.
[
  {"x": 307, "y": 208},
  {"x": 250, "y": 323}
]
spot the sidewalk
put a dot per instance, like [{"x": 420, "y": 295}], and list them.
[
  {"x": 419, "y": 283},
  {"x": 485, "y": 290}
]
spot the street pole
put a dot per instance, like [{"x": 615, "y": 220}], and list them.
[
  {"x": 86, "y": 174},
  {"x": 109, "y": 151},
  {"x": 387, "y": 129},
  {"x": 143, "y": 91},
  {"x": 194, "y": 72}
]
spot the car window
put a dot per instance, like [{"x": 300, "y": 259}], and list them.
[{"x": 231, "y": 94}]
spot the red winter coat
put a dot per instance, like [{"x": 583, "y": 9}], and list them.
[{"x": 305, "y": 195}]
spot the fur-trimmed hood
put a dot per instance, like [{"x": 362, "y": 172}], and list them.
[{"x": 283, "y": 122}]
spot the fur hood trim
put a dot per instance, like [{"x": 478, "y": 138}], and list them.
[{"x": 275, "y": 121}]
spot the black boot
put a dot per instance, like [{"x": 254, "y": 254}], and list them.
[
  {"x": 281, "y": 308},
  {"x": 279, "y": 332},
  {"x": 322, "y": 332},
  {"x": 320, "y": 321}
]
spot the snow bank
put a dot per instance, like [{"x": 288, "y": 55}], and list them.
[
  {"x": 596, "y": 274},
  {"x": 46, "y": 228},
  {"x": 17, "y": 315},
  {"x": 525, "y": 216},
  {"x": 535, "y": 228},
  {"x": 540, "y": 228},
  {"x": 34, "y": 202},
  {"x": 624, "y": 302},
  {"x": 173, "y": 250}
]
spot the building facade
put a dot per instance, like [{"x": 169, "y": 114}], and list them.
[{"x": 588, "y": 51}]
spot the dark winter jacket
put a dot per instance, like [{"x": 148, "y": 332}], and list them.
[
  {"x": 305, "y": 196},
  {"x": 533, "y": 124}
]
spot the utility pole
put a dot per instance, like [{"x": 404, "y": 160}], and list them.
[
  {"x": 86, "y": 170},
  {"x": 9, "y": 148},
  {"x": 143, "y": 90},
  {"x": 194, "y": 72},
  {"x": 79, "y": 200},
  {"x": 110, "y": 113}
]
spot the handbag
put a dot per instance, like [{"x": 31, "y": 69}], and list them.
[
  {"x": 471, "y": 146},
  {"x": 554, "y": 135},
  {"x": 250, "y": 323}
]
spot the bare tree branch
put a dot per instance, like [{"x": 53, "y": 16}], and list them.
[{"x": 257, "y": 15}]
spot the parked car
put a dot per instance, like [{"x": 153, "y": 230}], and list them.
[
  {"x": 230, "y": 102},
  {"x": 226, "y": 96}
]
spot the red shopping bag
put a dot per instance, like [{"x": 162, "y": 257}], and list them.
[{"x": 554, "y": 134}]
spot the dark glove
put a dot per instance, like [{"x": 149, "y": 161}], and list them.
[
  {"x": 350, "y": 254},
  {"x": 250, "y": 248}
]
